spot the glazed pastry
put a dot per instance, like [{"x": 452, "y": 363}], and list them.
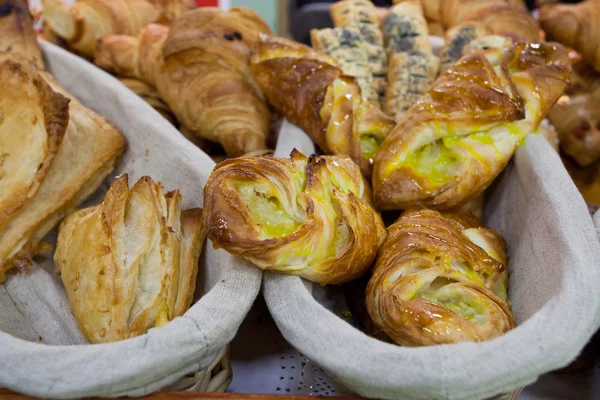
[
  {"x": 576, "y": 26},
  {"x": 130, "y": 263},
  {"x": 33, "y": 120},
  {"x": 200, "y": 68},
  {"x": 88, "y": 152},
  {"x": 315, "y": 95},
  {"x": 440, "y": 278},
  {"x": 412, "y": 65},
  {"x": 507, "y": 20},
  {"x": 456, "y": 39},
  {"x": 346, "y": 47},
  {"x": 363, "y": 16},
  {"x": 308, "y": 217},
  {"x": 453, "y": 143},
  {"x": 150, "y": 96},
  {"x": 577, "y": 121}
]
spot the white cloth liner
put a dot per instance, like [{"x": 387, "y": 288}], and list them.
[
  {"x": 554, "y": 273},
  {"x": 33, "y": 305}
]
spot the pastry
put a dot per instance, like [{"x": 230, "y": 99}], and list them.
[
  {"x": 308, "y": 217},
  {"x": 576, "y": 26},
  {"x": 412, "y": 65},
  {"x": 440, "y": 278},
  {"x": 456, "y": 38},
  {"x": 453, "y": 143},
  {"x": 130, "y": 263},
  {"x": 311, "y": 92},
  {"x": 347, "y": 48},
  {"x": 88, "y": 152},
  {"x": 200, "y": 67},
  {"x": 363, "y": 16},
  {"x": 150, "y": 96}
]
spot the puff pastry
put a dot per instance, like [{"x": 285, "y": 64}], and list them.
[
  {"x": 440, "y": 278},
  {"x": 200, "y": 66},
  {"x": 130, "y": 263},
  {"x": 150, "y": 96},
  {"x": 453, "y": 143},
  {"x": 88, "y": 152},
  {"x": 308, "y": 217},
  {"x": 311, "y": 92}
]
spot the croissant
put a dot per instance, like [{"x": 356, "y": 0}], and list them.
[
  {"x": 440, "y": 278},
  {"x": 347, "y": 48},
  {"x": 130, "y": 263},
  {"x": 308, "y": 217},
  {"x": 312, "y": 93},
  {"x": 412, "y": 65},
  {"x": 71, "y": 169},
  {"x": 453, "y": 143},
  {"x": 363, "y": 16},
  {"x": 576, "y": 26},
  {"x": 150, "y": 96},
  {"x": 577, "y": 121},
  {"x": 200, "y": 68}
]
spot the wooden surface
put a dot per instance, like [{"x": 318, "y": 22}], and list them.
[{"x": 8, "y": 395}]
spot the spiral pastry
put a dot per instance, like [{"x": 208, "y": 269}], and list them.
[
  {"x": 454, "y": 141},
  {"x": 440, "y": 278},
  {"x": 308, "y": 217}
]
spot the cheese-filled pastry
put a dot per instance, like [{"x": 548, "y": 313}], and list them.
[
  {"x": 453, "y": 143},
  {"x": 308, "y": 217},
  {"x": 130, "y": 263},
  {"x": 363, "y": 16},
  {"x": 412, "y": 65},
  {"x": 347, "y": 48},
  {"x": 87, "y": 153},
  {"x": 440, "y": 278},
  {"x": 311, "y": 92}
]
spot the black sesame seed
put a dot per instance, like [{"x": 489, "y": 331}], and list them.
[
  {"x": 5, "y": 9},
  {"x": 238, "y": 35},
  {"x": 228, "y": 36}
]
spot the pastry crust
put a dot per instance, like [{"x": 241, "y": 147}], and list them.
[
  {"x": 33, "y": 120},
  {"x": 440, "y": 278},
  {"x": 308, "y": 217},
  {"x": 456, "y": 39},
  {"x": 201, "y": 69},
  {"x": 315, "y": 95},
  {"x": 130, "y": 263},
  {"x": 453, "y": 143}
]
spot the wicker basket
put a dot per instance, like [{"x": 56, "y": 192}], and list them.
[{"x": 214, "y": 379}]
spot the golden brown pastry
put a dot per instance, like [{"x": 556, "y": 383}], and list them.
[
  {"x": 308, "y": 217},
  {"x": 457, "y": 38},
  {"x": 347, "y": 47},
  {"x": 363, "y": 16},
  {"x": 412, "y": 65},
  {"x": 88, "y": 152},
  {"x": 82, "y": 24},
  {"x": 130, "y": 263},
  {"x": 200, "y": 68},
  {"x": 312, "y": 93},
  {"x": 507, "y": 20},
  {"x": 33, "y": 120},
  {"x": 440, "y": 278},
  {"x": 576, "y": 26},
  {"x": 150, "y": 96},
  {"x": 453, "y": 143},
  {"x": 170, "y": 10},
  {"x": 577, "y": 121}
]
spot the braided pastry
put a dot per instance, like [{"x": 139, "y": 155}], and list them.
[
  {"x": 130, "y": 263},
  {"x": 200, "y": 66},
  {"x": 440, "y": 278},
  {"x": 308, "y": 217},
  {"x": 311, "y": 92},
  {"x": 453, "y": 143}
]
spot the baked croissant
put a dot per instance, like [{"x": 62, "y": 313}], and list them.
[
  {"x": 576, "y": 26},
  {"x": 87, "y": 153},
  {"x": 200, "y": 68},
  {"x": 577, "y": 121},
  {"x": 312, "y": 93},
  {"x": 130, "y": 263},
  {"x": 453, "y": 143},
  {"x": 363, "y": 16},
  {"x": 33, "y": 120},
  {"x": 308, "y": 217},
  {"x": 412, "y": 65},
  {"x": 440, "y": 278},
  {"x": 150, "y": 96}
]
